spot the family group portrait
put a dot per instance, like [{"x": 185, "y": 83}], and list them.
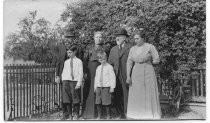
[{"x": 104, "y": 60}]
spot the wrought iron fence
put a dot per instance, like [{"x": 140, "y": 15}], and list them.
[
  {"x": 183, "y": 88},
  {"x": 30, "y": 90}
]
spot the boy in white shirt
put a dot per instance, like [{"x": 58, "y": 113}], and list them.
[
  {"x": 105, "y": 82},
  {"x": 72, "y": 76}
]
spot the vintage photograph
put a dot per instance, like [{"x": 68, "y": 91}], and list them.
[{"x": 108, "y": 60}]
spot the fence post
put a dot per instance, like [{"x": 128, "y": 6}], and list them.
[
  {"x": 28, "y": 80},
  {"x": 11, "y": 90},
  {"x": 193, "y": 85},
  {"x": 50, "y": 86},
  {"x": 197, "y": 86},
  {"x": 22, "y": 85},
  {"x": 33, "y": 89},
  {"x": 21, "y": 73},
  {"x": 6, "y": 95},
  {"x": 30, "y": 91},
  {"x": 201, "y": 81},
  {"x": 15, "y": 93},
  {"x": 52, "y": 80},
  {"x": 204, "y": 82},
  {"x": 7, "y": 86},
  {"x": 42, "y": 84}
]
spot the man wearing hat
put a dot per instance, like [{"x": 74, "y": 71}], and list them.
[
  {"x": 62, "y": 57},
  {"x": 118, "y": 58}
]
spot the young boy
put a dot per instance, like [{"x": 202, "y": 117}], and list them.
[
  {"x": 71, "y": 79},
  {"x": 105, "y": 82}
]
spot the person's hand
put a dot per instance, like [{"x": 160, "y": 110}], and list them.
[
  {"x": 77, "y": 87},
  {"x": 128, "y": 81},
  {"x": 111, "y": 90},
  {"x": 95, "y": 90},
  {"x": 57, "y": 79},
  {"x": 83, "y": 83},
  {"x": 147, "y": 58},
  {"x": 85, "y": 76}
]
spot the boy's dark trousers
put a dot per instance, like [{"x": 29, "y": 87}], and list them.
[
  {"x": 67, "y": 110},
  {"x": 70, "y": 96}
]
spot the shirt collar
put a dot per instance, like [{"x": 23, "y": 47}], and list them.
[
  {"x": 122, "y": 45},
  {"x": 104, "y": 64},
  {"x": 73, "y": 57}
]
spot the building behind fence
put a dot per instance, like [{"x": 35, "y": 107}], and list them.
[{"x": 31, "y": 89}]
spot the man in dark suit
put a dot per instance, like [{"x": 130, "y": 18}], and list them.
[
  {"x": 62, "y": 56},
  {"x": 118, "y": 58}
]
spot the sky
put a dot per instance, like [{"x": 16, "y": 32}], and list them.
[{"x": 14, "y": 10}]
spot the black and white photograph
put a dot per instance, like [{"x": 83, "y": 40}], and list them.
[{"x": 104, "y": 60}]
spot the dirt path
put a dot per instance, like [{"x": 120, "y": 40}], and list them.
[
  {"x": 193, "y": 112},
  {"x": 188, "y": 112}
]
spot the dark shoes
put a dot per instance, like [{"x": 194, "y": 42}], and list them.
[
  {"x": 98, "y": 118},
  {"x": 108, "y": 117},
  {"x": 67, "y": 118},
  {"x": 70, "y": 118},
  {"x": 76, "y": 117}
]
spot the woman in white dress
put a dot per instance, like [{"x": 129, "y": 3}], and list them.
[{"x": 143, "y": 99}]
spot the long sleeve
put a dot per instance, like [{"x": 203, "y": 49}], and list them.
[
  {"x": 57, "y": 67},
  {"x": 96, "y": 78},
  {"x": 62, "y": 56},
  {"x": 155, "y": 56},
  {"x": 85, "y": 59},
  {"x": 58, "y": 63},
  {"x": 111, "y": 59},
  {"x": 80, "y": 73},
  {"x": 130, "y": 62},
  {"x": 86, "y": 54},
  {"x": 112, "y": 77},
  {"x": 65, "y": 72}
]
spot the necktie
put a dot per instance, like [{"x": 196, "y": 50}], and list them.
[
  {"x": 120, "y": 47},
  {"x": 101, "y": 77},
  {"x": 120, "y": 50},
  {"x": 71, "y": 65}
]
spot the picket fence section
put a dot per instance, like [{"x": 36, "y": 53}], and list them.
[
  {"x": 29, "y": 90},
  {"x": 191, "y": 84}
]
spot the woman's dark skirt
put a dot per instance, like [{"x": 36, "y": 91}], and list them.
[{"x": 89, "y": 112}]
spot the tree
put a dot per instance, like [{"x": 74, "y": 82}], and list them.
[
  {"x": 34, "y": 41},
  {"x": 175, "y": 27}
]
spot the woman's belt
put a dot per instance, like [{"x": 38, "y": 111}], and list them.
[
  {"x": 147, "y": 62},
  {"x": 93, "y": 60}
]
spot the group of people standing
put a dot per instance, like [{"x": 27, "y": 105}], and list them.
[{"x": 121, "y": 81}]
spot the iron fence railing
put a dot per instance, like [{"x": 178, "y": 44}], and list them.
[{"x": 30, "y": 90}]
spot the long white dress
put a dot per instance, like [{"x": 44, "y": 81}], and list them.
[{"x": 143, "y": 99}]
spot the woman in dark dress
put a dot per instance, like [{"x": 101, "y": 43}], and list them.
[{"x": 92, "y": 63}]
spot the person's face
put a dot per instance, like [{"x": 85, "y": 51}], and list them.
[
  {"x": 98, "y": 38},
  {"x": 120, "y": 39},
  {"x": 102, "y": 59},
  {"x": 68, "y": 41},
  {"x": 138, "y": 40},
  {"x": 71, "y": 54}
]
